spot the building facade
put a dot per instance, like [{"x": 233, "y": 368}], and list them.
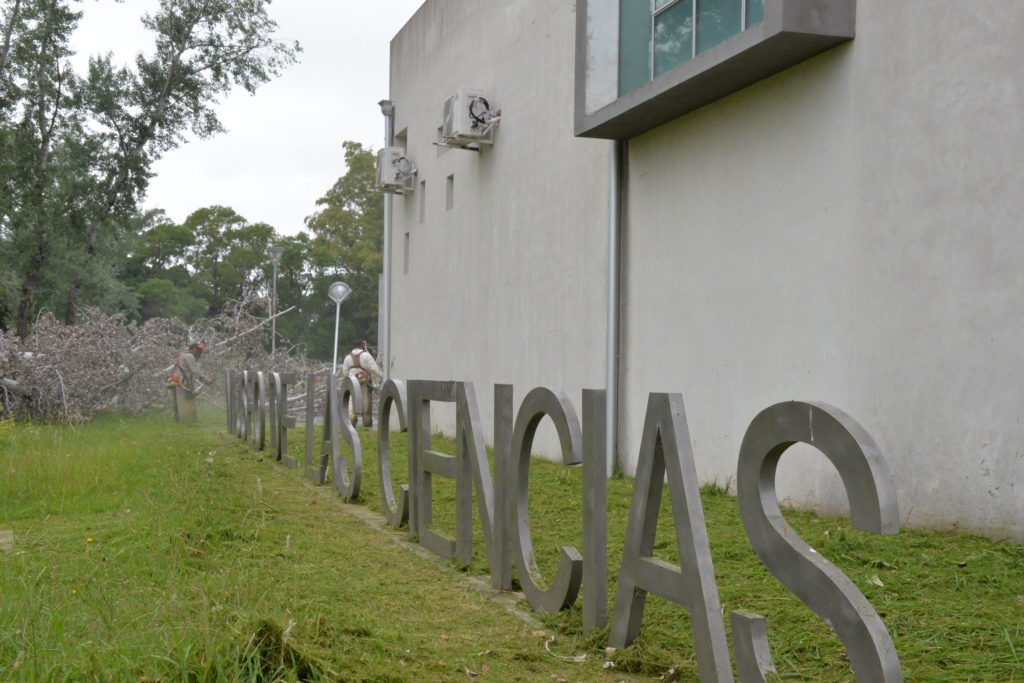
[{"x": 819, "y": 200}]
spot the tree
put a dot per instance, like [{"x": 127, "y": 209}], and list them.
[
  {"x": 160, "y": 298},
  {"x": 193, "y": 269},
  {"x": 41, "y": 137},
  {"x": 229, "y": 258},
  {"x": 78, "y": 150},
  {"x": 348, "y": 245},
  {"x": 295, "y": 287}
]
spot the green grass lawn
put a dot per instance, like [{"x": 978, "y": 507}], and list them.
[{"x": 144, "y": 550}]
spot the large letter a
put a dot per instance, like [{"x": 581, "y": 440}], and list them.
[{"x": 666, "y": 447}]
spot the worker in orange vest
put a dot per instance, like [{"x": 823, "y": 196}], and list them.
[{"x": 184, "y": 383}]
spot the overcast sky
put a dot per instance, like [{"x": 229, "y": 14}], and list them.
[{"x": 283, "y": 149}]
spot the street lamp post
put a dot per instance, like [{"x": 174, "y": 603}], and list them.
[
  {"x": 338, "y": 292},
  {"x": 275, "y": 252}
]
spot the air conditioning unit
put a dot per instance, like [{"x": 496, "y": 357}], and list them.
[
  {"x": 469, "y": 120},
  {"x": 395, "y": 173}
]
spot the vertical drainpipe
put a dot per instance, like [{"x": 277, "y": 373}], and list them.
[
  {"x": 611, "y": 408},
  {"x": 387, "y": 108}
]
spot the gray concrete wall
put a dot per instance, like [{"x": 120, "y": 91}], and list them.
[
  {"x": 849, "y": 231},
  {"x": 846, "y": 231},
  {"x": 509, "y": 284}
]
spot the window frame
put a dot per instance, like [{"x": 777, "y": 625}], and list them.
[{"x": 789, "y": 32}]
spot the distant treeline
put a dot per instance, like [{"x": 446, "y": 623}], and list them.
[{"x": 76, "y": 157}]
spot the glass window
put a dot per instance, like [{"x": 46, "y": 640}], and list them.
[
  {"x": 673, "y": 36},
  {"x": 643, "y": 63},
  {"x": 717, "y": 20},
  {"x": 655, "y": 36},
  {"x": 634, "y": 44},
  {"x": 755, "y": 12}
]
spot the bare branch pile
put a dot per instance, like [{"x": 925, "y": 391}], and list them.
[{"x": 106, "y": 363}]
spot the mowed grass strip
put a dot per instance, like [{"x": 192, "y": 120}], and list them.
[
  {"x": 202, "y": 559},
  {"x": 953, "y": 603},
  {"x": 144, "y": 550}
]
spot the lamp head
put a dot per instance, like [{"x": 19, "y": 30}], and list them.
[
  {"x": 275, "y": 252},
  {"x": 338, "y": 292}
]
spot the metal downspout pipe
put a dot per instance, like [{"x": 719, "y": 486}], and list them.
[
  {"x": 387, "y": 108},
  {"x": 611, "y": 408}
]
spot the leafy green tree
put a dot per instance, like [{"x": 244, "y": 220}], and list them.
[
  {"x": 295, "y": 288},
  {"x": 161, "y": 247},
  {"x": 77, "y": 150},
  {"x": 194, "y": 269},
  {"x": 159, "y": 298},
  {"x": 228, "y": 256},
  {"x": 41, "y": 136},
  {"x": 347, "y": 245}
]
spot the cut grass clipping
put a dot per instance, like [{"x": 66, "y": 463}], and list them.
[{"x": 138, "y": 549}]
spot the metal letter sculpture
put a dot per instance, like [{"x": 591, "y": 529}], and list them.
[
  {"x": 336, "y": 428},
  {"x": 817, "y": 582},
  {"x": 232, "y": 407},
  {"x": 281, "y": 420},
  {"x": 502, "y": 550},
  {"x": 392, "y": 394},
  {"x": 750, "y": 640},
  {"x": 271, "y": 406},
  {"x": 425, "y": 463},
  {"x": 311, "y": 470},
  {"x": 241, "y": 406},
  {"x": 665, "y": 446},
  {"x": 346, "y": 485},
  {"x": 247, "y": 401},
  {"x": 352, "y": 400},
  {"x": 595, "y": 512},
  {"x": 260, "y": 408},
  {"x": 473, "y": 472},
  {"x": 563, "y": 591},
  {"x": 234, "y": 403},
  {"x": 665, "y": 449},
  {"x": 330, "y": 445}
]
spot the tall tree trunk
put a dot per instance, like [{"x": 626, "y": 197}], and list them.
[
  {"x": 26, "y": 302},
  {"x": 5, "y": 51},
  {"x": 75, "y": 290},
  {"x": 45, "y": 127}
]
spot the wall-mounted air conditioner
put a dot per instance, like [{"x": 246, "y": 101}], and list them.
[
  {"x": 469, "y": 120},
  {"x": 395, "y": 173}
]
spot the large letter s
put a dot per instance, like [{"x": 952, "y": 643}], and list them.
[{"x": 817, "y": 582}]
